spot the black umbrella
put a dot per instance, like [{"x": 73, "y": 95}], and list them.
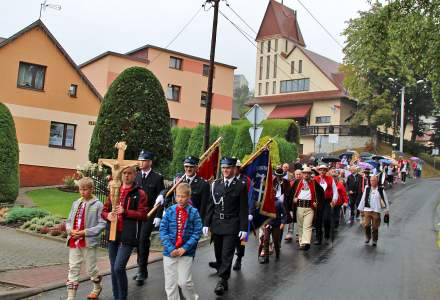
[
  {"x": 330, "y": 159},
  {"x": 347, "y": 154},
  {"x": 378, "y": 157},
  {"x": 365, "y": 154}
]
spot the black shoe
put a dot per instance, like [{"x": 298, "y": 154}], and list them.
[
  {"x": 317, "y": 242},
  {"x": 237, "y": 265},
  {"x": 374, "y": 243},
  {"x": 277, "y": 256},
  {"x": 306, "y": 247},
  {"x": 213, "y": 264},
  {"x": 221, "y": 287},
  {"x": 367, "y": 242},
  {"x": 264, "y": 260},
  {"x": 140, "y": 278},
  {"x": 326, "y": 242}
]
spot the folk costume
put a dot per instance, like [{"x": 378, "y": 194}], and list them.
[
  {"x": 374, "y": 201},
  {"x": 324, "y": 210},
  {"x": 227, "y": 218},
  {"x": 306, "y": 196}
]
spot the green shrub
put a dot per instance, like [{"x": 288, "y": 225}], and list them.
[
  {"x": 9, "y": 175},
  {"x": 195, "y": 144},
  {"x": 26, "y": 225},
  {"x": 284, "y": 128},
  {"x": 41, "y": 222},
  {"x": 228, "y": 133},
  {"x": 23, "y": 214},
  {"x": 33, "y": 227},
  {"x": 214, "y": 132},
  {"x": 274, "y": 152},
  {"x": 288, "y": 151},
  {"x": 69, "y": 182},
  {"x": 242, "y": 142},
  {"x": 180, "y": 145},
  {"x": 134, "y": 110}
]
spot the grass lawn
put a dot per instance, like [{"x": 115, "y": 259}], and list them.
[{"x": 53, "y": 200}]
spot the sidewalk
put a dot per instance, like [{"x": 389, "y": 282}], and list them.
[
  {"x": 23, "y": 199},
  {"x": 30, "y": 264}
]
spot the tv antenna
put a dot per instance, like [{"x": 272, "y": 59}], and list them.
[{"x": 45, "y": 5}]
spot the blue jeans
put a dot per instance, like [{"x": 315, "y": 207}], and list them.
[{"x": 119, "y": 255}]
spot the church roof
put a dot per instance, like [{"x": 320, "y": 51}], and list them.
[{"x": 281, "y": 20}]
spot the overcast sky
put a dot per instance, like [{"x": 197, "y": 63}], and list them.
[{"x": 86, "y": 28}]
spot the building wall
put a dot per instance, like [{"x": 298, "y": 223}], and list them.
[
  {"x": 188, "y": 110},
  {"x": 34, "y": 110},
  {"x": 318, "y": 81},
  {"x": 326, "y": 108}
]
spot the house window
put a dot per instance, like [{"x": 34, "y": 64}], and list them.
[
  {"x": 292, "y": 67},
  {"x": 261, "y": 47},
  {"x": 322, "y": 119},
  {"x": 268, "y": 46},
  {"x": 173, "y": 92},
  {"x": 276, "y": 45},
  {"x": 275, "y": 65},
  {"x": 31, "y": 76},
  {"x": 203, "y": 99},
  {"x": 274, "y": 87},
  {"x": 73, "y": 90},
  {"x": 175, "y": 63},
  {"x": 267, "y": 67},
  {"x": 295, "y": 85},
  {"x": 261, "y": 68},
  {"x": 300, "y": 66},
  {"x": 173, "y": 122},
  {"x": 259, "y": 89},
  {"x": 267, "y": 88},
  {"x": 205, "y": 70},
  {"x": 62, "y": 135}
]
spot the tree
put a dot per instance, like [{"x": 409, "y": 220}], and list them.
[
  {"x": 390, "y": 41},
  {"x": 134, "y": 110},
  {"x": 9, "y": 174},
  {"x": 241, "y": 95}
]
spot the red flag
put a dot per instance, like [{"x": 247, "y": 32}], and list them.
[
  {"x": 208, "y": 167},
  {"x": 268, "y": 208}
]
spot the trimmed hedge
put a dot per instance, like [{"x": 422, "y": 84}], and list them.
[
  {"x": 274, "y": 151},
  {"x": 228, "y": 133},
  {"x": 134, "y": 110},
  {"x": 195, "y": 145},
  {"x": 9, "y": 174},
  {"x": 181, "y": 141},
  {"x": 242, "y": 142},
  {"x": 288, "y": 151},
  {"x": 284, "y": 128}
]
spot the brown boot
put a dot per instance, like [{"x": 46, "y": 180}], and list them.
[{"x": 97, "y": 288}]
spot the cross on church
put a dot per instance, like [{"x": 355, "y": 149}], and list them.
[{"x": 117, "y": 166}]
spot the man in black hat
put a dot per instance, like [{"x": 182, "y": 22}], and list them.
[
  {"x": 152, "y": 184},
  {"x": 227, "y": 217},
  {"x": 199, "y": 186}
]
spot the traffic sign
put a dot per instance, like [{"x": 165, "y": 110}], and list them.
[
  {"x": 255, "y": 133},
  {"x": 256, "y": 115}
]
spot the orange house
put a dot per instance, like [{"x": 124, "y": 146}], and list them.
[
  {"x": 184, "y": 79},
  {"x": 53, "y": 104}
]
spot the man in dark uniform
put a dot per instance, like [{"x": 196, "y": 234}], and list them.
[
  {"x": 227, "y": 217},
  {"x": 152, "y": 184},
  {"x": 240, "y": 248},
  {"x": 354, "y": 189}
]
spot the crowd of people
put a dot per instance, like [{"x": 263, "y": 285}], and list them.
[{"x": 310, "y": 202}]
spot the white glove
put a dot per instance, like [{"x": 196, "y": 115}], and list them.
[
  {"x": 250, "y": 218},
  {"x": 159, "y": 200},
  {"x": 205, "y": 231},
  {"x": 242, "y": 235},
  {"x": 156, "y": 222}
]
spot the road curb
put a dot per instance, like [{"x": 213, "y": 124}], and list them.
[{"x": 28, "y": 292}]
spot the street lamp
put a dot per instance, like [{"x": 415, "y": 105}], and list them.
[{"x": 402, "y": 109}]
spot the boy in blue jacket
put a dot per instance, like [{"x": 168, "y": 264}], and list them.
[{"x": 180, "y": 231}]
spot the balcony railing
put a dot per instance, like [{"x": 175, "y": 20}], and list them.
[{"x": 342, "y": 130}]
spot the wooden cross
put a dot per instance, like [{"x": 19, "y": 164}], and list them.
[{"x": 117, "y": 166}]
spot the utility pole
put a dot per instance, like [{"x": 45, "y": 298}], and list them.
[
  {"x": 211, "y": 73},
  {"x": 402, "y": 118}
]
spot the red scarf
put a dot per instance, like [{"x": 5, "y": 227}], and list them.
[
  {"x": 79, "y": 224},
  {"x": 311, "y": 187},
  {"x": 181, "y": 216}
]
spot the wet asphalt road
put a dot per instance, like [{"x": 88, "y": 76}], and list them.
[{"x": 405, "y": 265}]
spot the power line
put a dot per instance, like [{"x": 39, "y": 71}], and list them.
[
  {"x": 322, "y": 26},
  {"x": 180, "y": 32},
  {"x": 250, "y": 39}
]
